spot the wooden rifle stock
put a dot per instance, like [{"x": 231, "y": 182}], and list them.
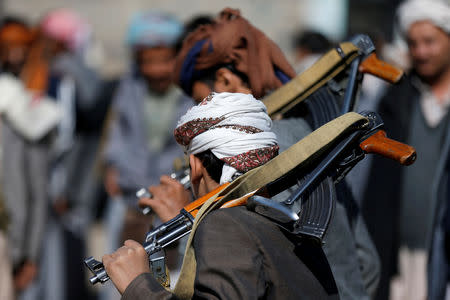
[
  {"x": 195, "y": 206},
  {"x": 376, "y": 67},
  {"x": 380, "y": 144}
]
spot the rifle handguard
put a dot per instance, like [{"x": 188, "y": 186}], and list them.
[
  {"x": 380, "y": 144},
  {"x": 381, "y": 69}
]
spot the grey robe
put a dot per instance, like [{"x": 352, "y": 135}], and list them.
[
  {"x": 25, "y": 182},
  {"x": 127, "y": 148}
]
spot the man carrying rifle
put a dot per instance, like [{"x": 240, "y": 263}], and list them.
[
  {"x": 257, "y": 68},
  {"x": 239, "y": 254},
  {"x": 233, "y": 56}
]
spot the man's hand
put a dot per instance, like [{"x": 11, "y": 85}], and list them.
[
  {"x": 111, "y": 182},
  {"x": 127, "y": 263},
  {"x": 25, "y": 276},
  {"x": 168, "y": 198}
]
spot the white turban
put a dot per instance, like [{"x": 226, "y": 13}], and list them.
[
  {"x": 235, "y": 127},
  {"x": 434, "y": 11}
]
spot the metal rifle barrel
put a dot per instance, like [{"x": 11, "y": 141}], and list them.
[
  {"x": 166, "y": 226},
  {"x": 167, "y": 239}
]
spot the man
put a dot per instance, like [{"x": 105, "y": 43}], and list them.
[
  {"x": 50, "y": 69},
  {"x": 15, "y": 39},
  {"x": 239, "y": 254},
  {"x": 73, "y": 86},
  {"x": 233, "y": 56},
  {"x": 24, "y": 164},
  {"x": 399, "y": 204},
  {"x": 146, "y": 105}
]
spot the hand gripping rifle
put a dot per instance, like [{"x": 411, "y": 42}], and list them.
[{"x": 314, "y": 194}]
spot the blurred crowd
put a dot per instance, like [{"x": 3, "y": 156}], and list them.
[{"x": 76, "y": 147}]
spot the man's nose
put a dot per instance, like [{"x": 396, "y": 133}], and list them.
[{"x": 421, "y": 51}]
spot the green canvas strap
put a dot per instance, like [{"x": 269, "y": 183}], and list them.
[
  {"x": 296, "y": 156},
  {"x": 303, "y": 85}
]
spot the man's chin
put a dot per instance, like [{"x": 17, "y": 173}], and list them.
[
  {"x": 427, "y": 73},
  {"x": 160, "y": 88}
]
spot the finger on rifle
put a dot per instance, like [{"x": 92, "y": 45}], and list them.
[
  {"x": 145, "y": 201},
  {"x": 107, "y": 259},
  {"x": 132, "y": 244},
  {"x": 159, "y": 194},
  {"x": 167, "y": 180}
]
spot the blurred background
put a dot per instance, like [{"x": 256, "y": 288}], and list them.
[
  {"x": 278, "y": 19},
  {"x": 69, "y": 176}
]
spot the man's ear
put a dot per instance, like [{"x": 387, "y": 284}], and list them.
[
  {"x": 226, "y": 81},
  {"x": 196, "y": 169}
]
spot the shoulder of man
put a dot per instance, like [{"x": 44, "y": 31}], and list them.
[
  {"x": 257, "y": 259},
  {"x": 237, "y": 217}
]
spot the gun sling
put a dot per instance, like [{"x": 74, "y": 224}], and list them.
[
  {"x": 306, "y": 83},
  {"x": 295, "y": 157}
]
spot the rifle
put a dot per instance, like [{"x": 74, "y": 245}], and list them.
[
  {"x": 315, "y": 213},
  {"x": 339, "y": 71},
  {"x": 333, "y": 92}
]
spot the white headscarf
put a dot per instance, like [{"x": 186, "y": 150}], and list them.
[
  {"x": 435, "y": 11},
  {"x": 235, "y": 127}
]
